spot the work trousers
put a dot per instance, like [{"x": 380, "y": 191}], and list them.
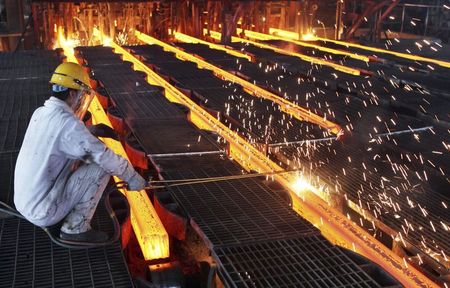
[{"x": 80, "y": 196}]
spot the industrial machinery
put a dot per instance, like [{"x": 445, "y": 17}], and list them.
[{"x": 287, "y": 143}]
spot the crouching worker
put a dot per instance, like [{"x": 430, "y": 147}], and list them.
[{"x": 62, "y": 169}]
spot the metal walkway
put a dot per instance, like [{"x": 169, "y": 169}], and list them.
[
  {"x": 240, "y": 220},
  {"x": 386, "y": 184},
  {"x": 28, "y": 258}
]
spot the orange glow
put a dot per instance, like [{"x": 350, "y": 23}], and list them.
[
  {"x": 294, "y": 36},
  {"x": 67, "y": 45},
  {"x": 345, "y": 69},
  {"x": 287, "y": 106},
  {"x": 308, "y": 36},
  {"x": 289, "y": 36},
  {"x": 105, "y": 40},
  {"x": 300, "y": 185},
  {"x": 335, "y": 226},
  {"x": 242, "y": 150},
  {"x": 189, "y": 39},
  {"x": 150, "y": 232},
  {"x": 286, "y": 34}
]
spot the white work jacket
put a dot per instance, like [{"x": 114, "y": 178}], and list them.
[{"x": 54, "y": 139}]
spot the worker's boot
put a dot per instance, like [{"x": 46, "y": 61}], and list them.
[{"x": 92, "y": 236}]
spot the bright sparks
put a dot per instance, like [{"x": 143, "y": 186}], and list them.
[
  {"x": 301, "y": 185},
  {"x": 308, "y": 37}
]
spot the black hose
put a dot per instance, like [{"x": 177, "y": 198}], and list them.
[
  {"x": 10, "y": 212},
  {"x": 77, "y": 244}
]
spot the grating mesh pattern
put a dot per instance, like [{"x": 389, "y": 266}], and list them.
[
  {"x": 125, "y": 83},
  {"x": 365, "y": 106},
  {"x": 170, "y": 136},
  {"x": 392, "y": 199},
  {"x": 380, "y": 83},
  {"x": 96, "y": 54},
  {"x": 153, "y": 53},
  {"x": 306, "y": 262},
  {"x": 240, "y": 212},
  {"x": 33, "y": 64},
  {"x": 134, "y": 97},
  {"x": 200, "y": 80},
  {"x": 12, "y": 132},
  {"x": 30, "y": 259},
  {"x": 146, "y": 105},
  {"x": 237, "y": 211},
  {"x": 367, "y": 87},
  {"x": 250, "y": 113},
  {"x": 7, "y": 164},
  {"x": 19, "y": 98}
]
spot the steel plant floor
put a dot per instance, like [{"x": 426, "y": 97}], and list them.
[
  {"x": 253, "y": 234},
  {"x": 28, "y": 258},
  {"x": 379, "y": 176}
]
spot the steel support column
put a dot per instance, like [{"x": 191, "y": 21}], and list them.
[{"x": 339, "y": 24}]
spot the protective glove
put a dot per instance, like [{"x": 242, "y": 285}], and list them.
[
  {"x": 136, "y": 183},
  {"x": 104, "y": 131}
]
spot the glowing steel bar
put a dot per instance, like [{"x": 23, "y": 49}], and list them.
[
  {"x": 287, "y": 106},
  {"x": 335, "y": 226},
  {"x": 261, "y": 36},
  {"x": 294, "y": 36},
  {"x": 189, "y": 39},
  {"x": 285, "y": 34},
  {"x": 342, "y": 68},
  {"x": 150, "y": 232}
]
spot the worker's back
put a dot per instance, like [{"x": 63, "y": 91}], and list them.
[{"x": 41, "y": 161}]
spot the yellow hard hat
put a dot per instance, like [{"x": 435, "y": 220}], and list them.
[{"x": 71, "y": 75}]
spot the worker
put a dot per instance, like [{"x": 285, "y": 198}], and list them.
[{"x": 62, "y": 169}]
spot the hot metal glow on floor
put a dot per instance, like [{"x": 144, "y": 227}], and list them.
[
  {"x": 336, "y": 227},
  {"x": 338, "y": 67},
  {"x": 150, "y": 232},
  {"x": 287, "y": 106},
  {"x": 295, "y": 36}
]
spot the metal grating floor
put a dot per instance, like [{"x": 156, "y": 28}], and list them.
[
  {"x": 153, "y": 53},
  {"x": 383, "y": 75},
  {"x": 130, "y": 92},
  {"x": 364, "y": 87},
  {"x": 28, "y": 257},
  {"x": 12, "y": 132},
  {"x": 251, "y": 113},
  {"x": 170, "y": 136},
  {"x": 125, "y": 83},
  {"x": 408, "y": 206},
  {"x": 33, "y": 64},
  {"x": 7, "y": 164},
  {"x": 237, "y": 211},
  {"x": 351, "y": 111},
  {"x": 308, "y": 262},
  {"x": 28, "y": 95},
  {"x": 146, "y": 105}
]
